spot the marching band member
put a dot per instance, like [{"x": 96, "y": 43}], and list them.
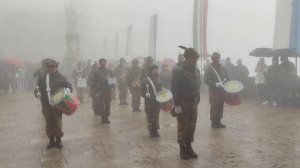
[
  {"x": 133, "y": 80},
  {"x": 48, "y": 84},
  {"x": 120, "y": 73},
  {"x": 215, "y": 75},
  {"x": 149, "y": 89},
  {"x": 185, "y": 87}
]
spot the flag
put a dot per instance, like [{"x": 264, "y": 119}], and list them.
[
  {"x": 153, "y": 36},
  {"x": 295, "y": 27},
  {"x": 200, "y": 26},
  {"x": 129, "y": 42},
  {"x": 117, "y": 47}
]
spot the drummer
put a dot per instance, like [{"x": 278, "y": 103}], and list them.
[
  {"x": 149, "y": 89},
  {"x": 53, "y": 117},
  {"x": 216, "y": 90}
]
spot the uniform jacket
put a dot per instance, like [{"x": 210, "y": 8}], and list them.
[
  {"x": 210, "y": 77},
  {"x": 56, "y": 82},
  {"x": 99, "y": 80},
  {"x": 185, "y": 84},
  {"x": 152, "y": 99},
  {"x": 133, "y": 73}
]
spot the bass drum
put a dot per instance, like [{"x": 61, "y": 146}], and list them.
[
  {"x": 165, "y": 99},
  {"x": 233, "y": 92},
  {"x": 64, "y": 102}
]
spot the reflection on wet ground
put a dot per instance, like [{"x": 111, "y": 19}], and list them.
[{"x": 256, "y": 136}]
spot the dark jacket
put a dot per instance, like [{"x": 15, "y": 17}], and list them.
[
  {"x": 210, "y": 77},
  {"x": 56, "y": 82},
  {"x": 133, "y": 74},
  {"x": 152, "y": 99},
  {"x": 185, "y": 84},
  {"x": 99, "y": 80},
  {"x": 242, "y": 73},
  {"x": 165, "y": 77},
  {"x": 273, "y": 75}
]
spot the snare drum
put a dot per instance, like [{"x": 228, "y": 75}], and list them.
[
  {"x": 64, "y": 102},
  {"x": 165, "y": 99},
  {"x": 233, "y": 92}
]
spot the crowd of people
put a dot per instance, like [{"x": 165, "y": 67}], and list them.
[
  {"x": 101, "y": 80},
  {"x": 16, "y": 77}
]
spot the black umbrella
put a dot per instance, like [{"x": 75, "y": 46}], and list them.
[{"x": 262, "y": 52}]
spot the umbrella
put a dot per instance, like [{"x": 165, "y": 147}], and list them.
[
  {"x": 286, "y": 52},
  {"x": 262, "y": 52},
  {"x": 13, "y": 61},
  {"x": 168, "y": 61}
]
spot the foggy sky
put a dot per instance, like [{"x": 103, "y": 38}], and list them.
[{"x": 36, "y": 28}]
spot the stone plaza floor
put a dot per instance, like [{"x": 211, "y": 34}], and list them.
[{"x": 256, "y": 136}]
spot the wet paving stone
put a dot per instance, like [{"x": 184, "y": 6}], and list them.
[{"x": 256, "y": 136}]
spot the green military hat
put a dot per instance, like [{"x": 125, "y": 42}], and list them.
[
  {"x": 49, "y": 62},
  {"x": 216, "y": 55},
  {"x": 189, "y": 52}
]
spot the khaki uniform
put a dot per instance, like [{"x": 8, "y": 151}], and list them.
[
  {"x": 216, "y": 95},
  {"x": 121, "y": 73},
  {"x": 134, "y": 77},
  {"x": 186, "y": 94},
  {"x": 152, "y": 107},
  {"x": 52, "y": 116},
  {"x": 102, "y": 89}
]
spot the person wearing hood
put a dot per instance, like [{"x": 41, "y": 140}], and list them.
[
  {"x": 52, "y": 116},
  {"x": 149, "y": 89},
  {"x": 185, "y": 87}
]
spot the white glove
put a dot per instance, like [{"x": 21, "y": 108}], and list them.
[
  {"x": 68, "y": 90},
  {"x": 178, "y": 110},
  {"x": 148, "y": 95},
  {"x": 219, "y": 85}
]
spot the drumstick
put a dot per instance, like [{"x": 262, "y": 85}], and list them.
[{"x": 147, "y": 89}]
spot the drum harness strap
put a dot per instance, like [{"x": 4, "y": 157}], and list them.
[
  {"x": 153, "y": 86},
  {"x": 218, "y": 76},
  {"x": 48, "y": 89}
]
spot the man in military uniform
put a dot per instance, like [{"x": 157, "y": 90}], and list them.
[
  {"x": 185, "y": 87},
  {"x": 149, "y": 88},
  {"x": 148, "y": 61},
  {"x": 133, "y": 80},
  {"x": 92, "y": 87},
  {"x": 120, "y": 73},
  {"x": 212, "y": 76},
  {"x": 52, "y": 115},
  {"x": 103, "y": 89}
]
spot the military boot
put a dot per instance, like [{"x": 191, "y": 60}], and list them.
[
  {"x": 103, "y": 120},
  {"x": 221, "y": 125},
  {"x": 58, "y": 143},
  {"x": 190, "y": 151},
  {"x": 151, "y": 133},
  {"x": 107, "y": 120},
  {"x": 51, "y": 143},
  {"x": 155, "y": 133},
  {"x": 214, "y": 124},
  {"x": 183, "y": 152}
]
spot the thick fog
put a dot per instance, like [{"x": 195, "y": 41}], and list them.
[{"x": 34, "y": 29}]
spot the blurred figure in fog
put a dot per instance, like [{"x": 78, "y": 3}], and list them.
[
  {"x": 134, "y": 84},
  {"x": 288, "y": 75},
  {"x": 120, "y": 73},
  {"x": 92, "y": 87},
  {"x": 273, "y": 81},
  {"x": 165, "y": 77},
  {"x": 180, "y": 61},
  {"x": 80, "y": 80},
  {"x": 242, "y": 73},
  {"x": 260, "y": 79},
  {"x": 230, "y": 68},
  {"x": 148, "y": 61}
]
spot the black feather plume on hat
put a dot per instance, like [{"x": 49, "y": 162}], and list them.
[{"x": 182, "y": 47}]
